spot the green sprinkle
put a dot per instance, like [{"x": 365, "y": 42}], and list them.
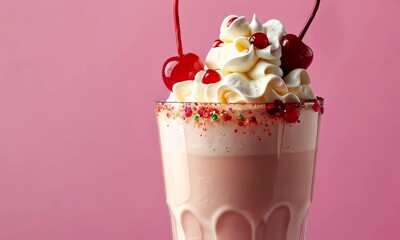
[
  {"x": 196, "y": 118},
  {"x": 214, "y": 117},
  {"x": 241, "y": 118}
]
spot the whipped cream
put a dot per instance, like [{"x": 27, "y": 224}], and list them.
[{"x": 248, "y": 74}]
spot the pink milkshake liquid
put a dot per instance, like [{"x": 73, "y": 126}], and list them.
[{"x": 238, "y": 171}]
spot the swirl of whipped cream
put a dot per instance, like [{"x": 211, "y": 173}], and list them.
[
  {"x": 237, "y": 49},
  {"x": 298, "y": 82},
  {"x": 194, "y": 91},
  {"x": 238, "y": 88},
  {"x": 248, "y": 74},
  {"x": 242, "y": 59},
  {"x": 238, "y": 28}
]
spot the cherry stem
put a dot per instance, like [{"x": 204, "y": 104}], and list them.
[
  {"x": 310, "y": 19},
  {"x": 178, "y": 29}
]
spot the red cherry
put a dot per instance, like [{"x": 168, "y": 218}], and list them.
[
  {"x": 231, "y": 21},
  {"x": 259, "y": 40},
  {"x": 217, "y": 43},
  {"x": 177, "y": 69},
  {"x": 184, "y": 66},
  {"x": 295, "y": 54},
  {"x": 292, "y": 114},
  {"x": 211, "y": 76}
]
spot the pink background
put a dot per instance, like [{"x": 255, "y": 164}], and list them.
[{"x": 79, "y": 155}]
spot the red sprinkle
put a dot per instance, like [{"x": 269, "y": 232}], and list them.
[
  {"x": 227, "y": 117},
  {"x": 204, "y": 112},
  {"x": 316, "y": 107},
  {"x": 216, "y": 111},
  {"x": 291, "y": 114},
  {"x": 188, "y": 112}
]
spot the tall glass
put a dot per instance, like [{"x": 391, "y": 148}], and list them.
[{"x": 238, "y": 171}]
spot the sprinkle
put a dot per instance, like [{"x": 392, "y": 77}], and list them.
[
  {"x": 214, "y": 117},
  {"x": 241, "y": 118},
  {"x": 215, "y": 111},
  {"x": 227, "y": 117},
  {"x": 316, "y": 107},
  {"x": 188, "y": 112},
  {"x": 196, "y": 118}
]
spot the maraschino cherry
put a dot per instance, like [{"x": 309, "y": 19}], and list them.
[
  {"x": 296, "y": 54},
  {"x": 211, "y": 76},
  {"x": 259, "y": 40},
  {"x": 184, "y": 66}
]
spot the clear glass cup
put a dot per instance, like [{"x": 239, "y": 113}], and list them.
[{"x": 239, "y": 171}]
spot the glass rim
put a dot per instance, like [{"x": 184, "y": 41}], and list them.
[{"x": 309, "y": 102}]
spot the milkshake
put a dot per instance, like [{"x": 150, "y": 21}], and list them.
[
  {"x": 237, "y": 173},
  {"x": 239, "y": 135}
]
